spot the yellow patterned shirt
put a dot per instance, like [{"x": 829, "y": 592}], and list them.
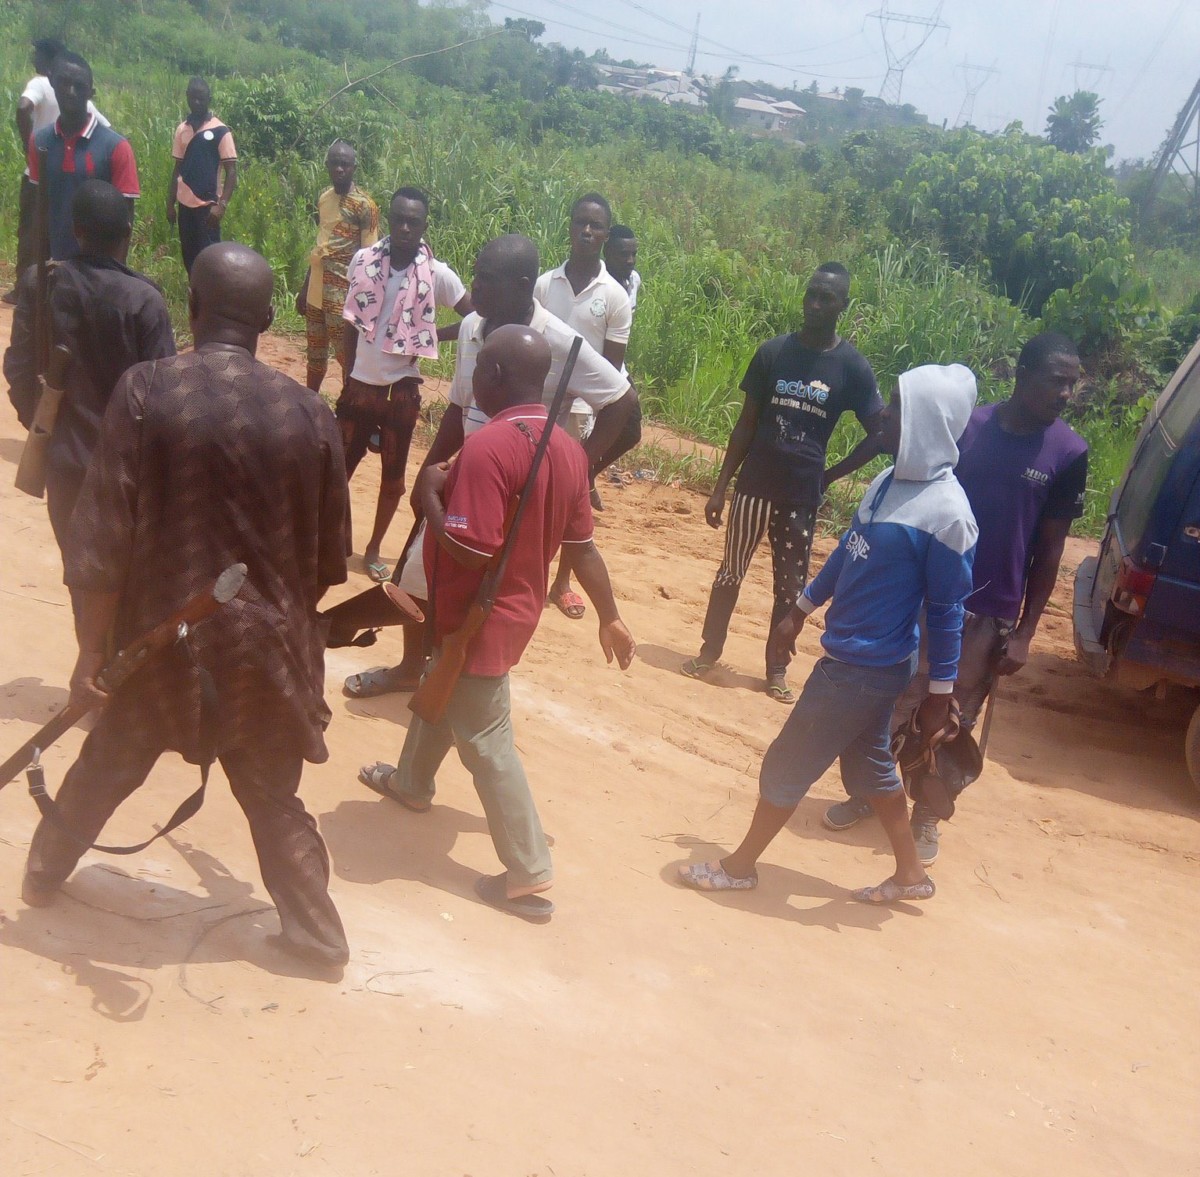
[{"x": 345, "y": 225}]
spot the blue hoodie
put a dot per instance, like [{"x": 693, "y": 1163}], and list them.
[{"x": 912, "y": 541}]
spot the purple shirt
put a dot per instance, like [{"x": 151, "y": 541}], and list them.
[{"x": 1013, "y": 482}]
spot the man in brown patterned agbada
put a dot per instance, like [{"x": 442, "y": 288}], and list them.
[{"x": 205, "y": 460}]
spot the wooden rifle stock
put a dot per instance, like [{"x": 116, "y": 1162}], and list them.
[
  {"x": 202, "y": 605},
  {"x": 41, "y": 237},
  {"x": 432, "y": 696},
  {"x": 31, "y": 470}
]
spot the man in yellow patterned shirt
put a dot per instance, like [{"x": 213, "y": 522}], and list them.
[{"x": 347, "y": 221}]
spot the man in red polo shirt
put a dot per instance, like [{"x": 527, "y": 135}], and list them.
[
  {"x": 78, "y": 149},
  {"x": 465, "y": 507}
]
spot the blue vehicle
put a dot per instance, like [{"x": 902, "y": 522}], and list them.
[{"x": 1137, "y": 603}]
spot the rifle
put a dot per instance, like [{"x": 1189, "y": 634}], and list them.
[
  {"x": 432, "y": 697},
  {"x": 374, "y": 608},
  {"x": 137, "y": 653},
  {"x": 41, "y": 236},
  {"x": 31, "y": 470}
]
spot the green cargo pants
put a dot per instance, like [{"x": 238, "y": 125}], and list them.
[{"x": 478, "y": 722}]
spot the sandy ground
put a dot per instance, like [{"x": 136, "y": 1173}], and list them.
[{"x": 1038, "y": 1016}]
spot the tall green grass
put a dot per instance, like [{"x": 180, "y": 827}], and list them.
[{"x": 725, "y": 251}]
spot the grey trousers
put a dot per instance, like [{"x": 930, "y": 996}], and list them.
[{"x": 478, "y": 722}]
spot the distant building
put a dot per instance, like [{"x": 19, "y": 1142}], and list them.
[{"x": 765, "y": 114}]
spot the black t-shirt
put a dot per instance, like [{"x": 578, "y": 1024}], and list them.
[{"x": 801, "y": 393}]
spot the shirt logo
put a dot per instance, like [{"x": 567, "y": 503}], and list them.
[
  {"x": 208, "y": 135},
  {"x": 598, "y": 307},
  {"x": 1036, "y": 476},
  {"x": 459, "y": 522},
  {"x": 857, "y": 546},
  {"x": 817, "y": 391}
]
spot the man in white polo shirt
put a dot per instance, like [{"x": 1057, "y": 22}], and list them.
[
  {"x": 586, "y": 297},
  {"x": 502, "y": 292}
]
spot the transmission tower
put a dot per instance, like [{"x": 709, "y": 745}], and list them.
[
  {"x": 975, "y": 77},
  {"x": 1180, "y": 153},
  {"x": 1088, "y": 76},
  {"x": 691, "y": 65},
  {"x": 900, "y": 55}
]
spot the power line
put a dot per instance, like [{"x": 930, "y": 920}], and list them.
[
  {"x": 613, "y": 33},
  {"x": 1162, "y": 40}
]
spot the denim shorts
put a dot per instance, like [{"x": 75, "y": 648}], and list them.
[{"x": 843, "y": 713}]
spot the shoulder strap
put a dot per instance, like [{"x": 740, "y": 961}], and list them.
[{"x": 188, "y": 808}]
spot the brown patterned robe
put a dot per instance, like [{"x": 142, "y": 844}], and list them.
[{"x": 205, "y": 460}]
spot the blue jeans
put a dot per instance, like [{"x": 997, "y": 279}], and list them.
[{"x": 844, "y": 713}]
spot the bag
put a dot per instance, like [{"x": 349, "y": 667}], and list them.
[{"x": 936, "y": 769}]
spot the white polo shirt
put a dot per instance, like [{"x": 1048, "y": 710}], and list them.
[
  {"x": 595, "y": 382},
  {"x": 631, "y": 288},
  {"x": 600, "y": 312}
]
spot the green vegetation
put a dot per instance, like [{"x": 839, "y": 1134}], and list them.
[{"x": 956, "y": 241}]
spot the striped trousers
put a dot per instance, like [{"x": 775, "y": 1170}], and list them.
[{"x": 789, "y": 530}]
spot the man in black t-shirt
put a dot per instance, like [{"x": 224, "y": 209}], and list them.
[{"x": 797, "y": 387}]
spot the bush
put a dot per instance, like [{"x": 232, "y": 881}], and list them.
[{"x": 1038, "y": 219}]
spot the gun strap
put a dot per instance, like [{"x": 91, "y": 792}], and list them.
[{"x": 188, "y": 808}]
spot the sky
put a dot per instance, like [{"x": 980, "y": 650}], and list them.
[{"x": 1138, "y": 55}]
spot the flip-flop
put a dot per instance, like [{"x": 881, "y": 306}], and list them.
[
  {"x": 781, "y": 693},
  {"x": 570, "y": 603},
  {"x": 376, "y": 776},
  {"x": 378, "y": 571},
  {"x": 889, "y": 891},
  {"x": 493, "y": 890},
  {"x": 712, "y": 876},
  {"x": 695, "y": 668},
  {"x": 376, "y": 681}
]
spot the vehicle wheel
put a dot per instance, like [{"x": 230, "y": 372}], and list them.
[{"x": 1191, "y": 747}]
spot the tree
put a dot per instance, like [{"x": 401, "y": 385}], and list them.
[
  {"x": 721, "y": 97},
  {"x": 1037, "y": 218},
  {"x": 1074, "y": 123},
  {"x": 531, "y": 30}
]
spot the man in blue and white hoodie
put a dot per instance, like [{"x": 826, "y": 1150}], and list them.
[{"x": 910, "y": 547}]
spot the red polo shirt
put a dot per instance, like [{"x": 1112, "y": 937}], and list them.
[{"x": 491, "y": 470}]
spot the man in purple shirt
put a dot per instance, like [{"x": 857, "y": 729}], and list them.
[{"x": 1025, "y": 471}]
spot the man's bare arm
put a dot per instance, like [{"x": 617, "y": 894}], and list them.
[
  {"x": 446, "y": 443},
  {"x": 1044, "y": 561},
  {"x": 735, "y": 455},
  {"x": 172, "y": 192},
  {"x": 869, "y": 447},
  {"x": 228, "y": 184},
  {"x": 94, "y": 618},
  {"x": 24, "y": 123},
  {"x": 609, "y": 421},
  {"x": 614, "y": 353},
  {"x": 592, "y": 573},
  {"x": 349, "y": 344},
  {"x": 430, "y": 488}
]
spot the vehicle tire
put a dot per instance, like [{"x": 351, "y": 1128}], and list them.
[{"x": 1191, "y": 747}]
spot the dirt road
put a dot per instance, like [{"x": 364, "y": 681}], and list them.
[{"x": 1038, "y": 1016}]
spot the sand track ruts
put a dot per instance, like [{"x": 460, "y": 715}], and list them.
[{"x": 1038, "y": 1016}]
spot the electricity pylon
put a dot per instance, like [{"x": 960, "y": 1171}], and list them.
[
  {"x": 975, "y": 77},
  {"x": 898, "y": 56},
  {"x": 1180, "y": 152}
]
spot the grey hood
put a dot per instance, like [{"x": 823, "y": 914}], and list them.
[{"x": 935, "y": 405}]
